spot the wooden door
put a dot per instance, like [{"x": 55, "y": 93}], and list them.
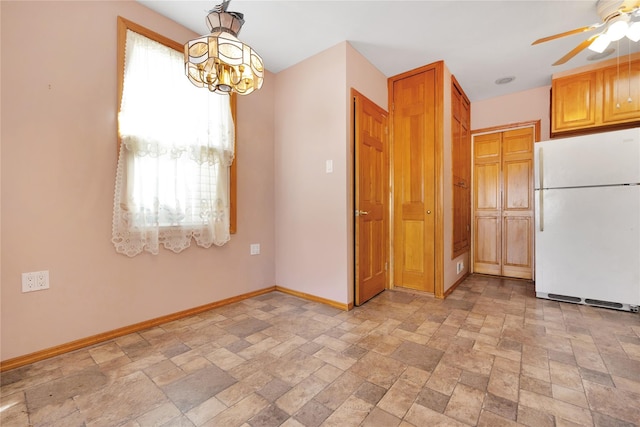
[
  {"x": 503, "y": 203},
  {"x": 371, "y": 195},
  {"x": 414, "y": 140},
  {"x": 487, "y": 189},
  {"x": 517, "y": 203}
]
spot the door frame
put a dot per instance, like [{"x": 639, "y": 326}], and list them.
[{"x": 535, "y": 124}]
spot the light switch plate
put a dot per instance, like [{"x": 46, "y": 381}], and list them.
[{"x": 329, "y": 166}]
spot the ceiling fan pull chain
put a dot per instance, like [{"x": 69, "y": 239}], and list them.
[
  {"x": 629, "y": 100},
  {"x": 618, "y": 75}
]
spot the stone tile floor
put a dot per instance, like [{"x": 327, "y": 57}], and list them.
[{"x": 491, "y": 354}]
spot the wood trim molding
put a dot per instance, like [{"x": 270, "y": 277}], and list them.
[
  {"x": 455, "y": 285},
  {"x": 105, "y": 336},
  {"x": 535, "y": 124},
  {"x": 439, "y": 166},
  {"x": 37, "y": 356},
  {"x": 309, "y": 297}
]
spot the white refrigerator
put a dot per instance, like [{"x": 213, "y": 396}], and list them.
[{"x": 587, "y": 198}]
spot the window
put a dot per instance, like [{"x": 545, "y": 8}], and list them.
[{"x": 174, "y": 180}]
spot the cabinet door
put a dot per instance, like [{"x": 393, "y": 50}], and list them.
[
  {"x": 621, "y": 93},
  {"x": 574, "y": 102}
]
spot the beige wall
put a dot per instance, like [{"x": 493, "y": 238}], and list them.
[
  {"x": 57, "y": 173},
  {"x": 314, "y": 209},
  {"x": 528, "y": 105},
  {"x": 366, "y": 79},
  {"x": 311, "y": 252}
]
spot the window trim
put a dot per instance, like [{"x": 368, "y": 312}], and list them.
[{"x": 124, "y": 25}]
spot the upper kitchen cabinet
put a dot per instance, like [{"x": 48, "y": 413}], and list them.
[
  {"x": 573, "y": 102},
  {"x": 597, "y": 99},
  {"x": 621, "y": 93}
]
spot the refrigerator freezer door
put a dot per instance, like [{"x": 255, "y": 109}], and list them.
[
  {"x": 590, "y": 246},
  {"x": 599, "y": 159}
]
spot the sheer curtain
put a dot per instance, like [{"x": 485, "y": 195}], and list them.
[{"x": 177, "y": 144}]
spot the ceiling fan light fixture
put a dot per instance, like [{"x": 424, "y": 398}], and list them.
[
  {"x": 617, "y": 18},
  {"x": 633, "y": 33},
  {"x": 600, "y": 43},
  {"x": 618, "y": 27}
]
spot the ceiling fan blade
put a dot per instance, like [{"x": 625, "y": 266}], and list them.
[
  {"x": 576, "y": 50},
  {"x": 567, "y": 33}
]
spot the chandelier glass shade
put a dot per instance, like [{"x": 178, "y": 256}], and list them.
[{"x": 219, "y": 61}]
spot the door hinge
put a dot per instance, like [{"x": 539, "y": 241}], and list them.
[{"x": 385, "y": 266}]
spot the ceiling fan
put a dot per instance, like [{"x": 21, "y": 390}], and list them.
[{"x": 620, "y": 18}]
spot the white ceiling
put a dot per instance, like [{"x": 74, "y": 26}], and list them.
[{"x": 479, "y": 40}]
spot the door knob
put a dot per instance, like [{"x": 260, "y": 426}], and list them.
[
  {"x": 361, "y": 213},
  {"x": 428, "y": 212}
]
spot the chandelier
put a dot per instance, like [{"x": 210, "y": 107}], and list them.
[{"x": 219, "y": 61}]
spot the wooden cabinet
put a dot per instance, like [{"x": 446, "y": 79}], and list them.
[
  {"x": 461, "y": 169},
  {"x": 592, "y": 100},
  {"x": 574, "y": 102},
  {"x": 503, "y": 203},
  {"x": 621, "y": 93}
]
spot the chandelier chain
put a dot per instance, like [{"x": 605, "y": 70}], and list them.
[{"x": 222, "y": 7}]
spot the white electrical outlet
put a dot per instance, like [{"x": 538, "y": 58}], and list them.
[
  {"x": 35, "y": 281},
  {"x": 459, "y": 267},
  {"x": 254, "y": 249}
]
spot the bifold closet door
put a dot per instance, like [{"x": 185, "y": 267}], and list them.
[{"x": 503, "y": 203}]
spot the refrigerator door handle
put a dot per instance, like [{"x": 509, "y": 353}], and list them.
[{"x": 541, "y": 192}]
